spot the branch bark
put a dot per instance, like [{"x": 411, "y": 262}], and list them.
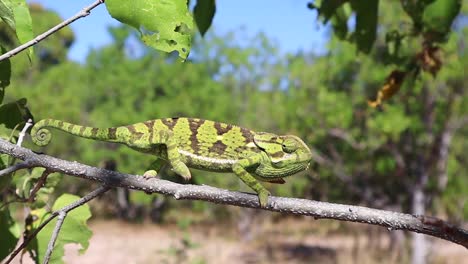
[{"x": 391, "y": 220}]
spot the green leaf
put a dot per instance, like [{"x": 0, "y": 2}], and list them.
[
  {"x": 366, "y": 23},
  {"x": 74, "y": 230},
  {"x": 6, "y": 13},
  {"x": 438, "y": 17},
  {"x": 329, "y": 8},
  {"x": 415, "y": 10},
  {"x": 14, "y": 113},
  {"x": 204, "y": 12},
  {"x": 23, "y": 22},
  {"x": 5, "y": 74},
  {"x": 340, "y": 22},
  {"x": 164, "y": 25},
  {"x": 10, "y": 232}
]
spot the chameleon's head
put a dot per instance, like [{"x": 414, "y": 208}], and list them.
[{"x": 286, "y": 154}]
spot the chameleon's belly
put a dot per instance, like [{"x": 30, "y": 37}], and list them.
[{"x": 204, "y": 162}]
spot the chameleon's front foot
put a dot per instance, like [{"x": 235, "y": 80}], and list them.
[{"x": 263, "y": 198}]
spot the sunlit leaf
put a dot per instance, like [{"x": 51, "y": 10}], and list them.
[
  {"x": 164, "y": 25},
  {"x": 391, "y": 86},
  {"x": 6, "y": 13},
  {"x": 74, "y": 230},
  {"x": 340, "y": 22},
  {"x": 23, "y": 22},
  {"x": 437, "y": 18},
  {"x": 327, "y": 8}
]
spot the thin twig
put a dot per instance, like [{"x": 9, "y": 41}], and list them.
[
  {"x": 58, "y": 226},
  {"x": 391, "y": 220},
  {"x": 38, "y": 185},
  {"x": 83, "y": 13},
  {"x": 99, "y": 191},
  {"x": 18, "y": 166}
]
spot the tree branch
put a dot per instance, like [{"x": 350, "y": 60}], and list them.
[
  {"x": 83, "y": 13},
  {"x": 17, "y": 166},
  {"x": 51, "y": 245},
  {"x": 391, "y": 220}
]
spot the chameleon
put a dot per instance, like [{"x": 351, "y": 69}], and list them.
[{"x": 200, "y": 144}]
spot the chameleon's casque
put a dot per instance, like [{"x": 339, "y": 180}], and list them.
[{"x": 201, "y": 144}]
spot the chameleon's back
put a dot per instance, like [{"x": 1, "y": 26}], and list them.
[{"x": 207, "y": 144}]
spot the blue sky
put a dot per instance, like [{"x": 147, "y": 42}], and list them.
[{"x": 289, "y": 22}]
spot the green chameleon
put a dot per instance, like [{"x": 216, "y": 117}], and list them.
[{"x": 201, "y": 144}]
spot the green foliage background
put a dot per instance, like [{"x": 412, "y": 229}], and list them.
[
  {"x": 258, "y": 87},
  {"x": 367, "y": 156}
]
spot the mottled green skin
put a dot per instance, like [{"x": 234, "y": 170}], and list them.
[{"x": 201, "y": 144}]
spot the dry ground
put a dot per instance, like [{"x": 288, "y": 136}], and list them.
[{"x": 287, "y": 241}]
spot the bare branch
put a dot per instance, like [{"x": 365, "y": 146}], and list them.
[
  {"x": 391, "y": 220},
  {"x": 58, "y": 226},
  {"x": 83, "y": 13},
  {"x": 65, "y": 209},
  {"x": 18, "y": 166},
  {"x": 39, "y": 184}
]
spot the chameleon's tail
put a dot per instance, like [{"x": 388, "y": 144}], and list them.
[{"x": 41, "y": 136}]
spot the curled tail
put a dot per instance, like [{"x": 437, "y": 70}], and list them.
[{"x": 41, "y": 136}]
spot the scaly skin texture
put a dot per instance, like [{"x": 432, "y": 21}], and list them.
[{"x": 201, "y": 144}]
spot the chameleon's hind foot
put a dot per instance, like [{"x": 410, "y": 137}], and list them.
[
  {"x": 182, "y": 170},
  {"x": 263, "y": 198},
  {"x": 150, "y": 174}
]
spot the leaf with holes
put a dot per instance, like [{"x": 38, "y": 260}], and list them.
[{"x": 164, "y": 25}]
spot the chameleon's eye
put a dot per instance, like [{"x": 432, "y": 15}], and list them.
[{"x": 289, "y": 145}]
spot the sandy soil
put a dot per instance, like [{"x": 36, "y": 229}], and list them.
[{"x": 290, "y": 241}]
